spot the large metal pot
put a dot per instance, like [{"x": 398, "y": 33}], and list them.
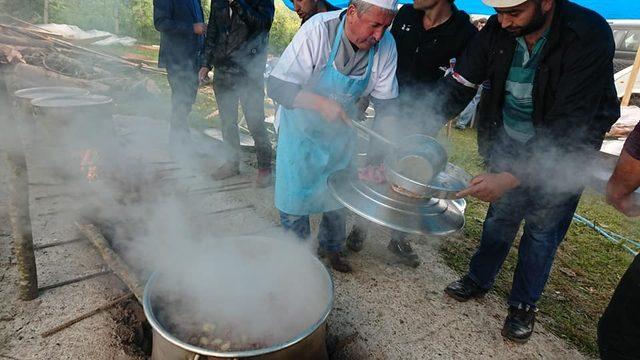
[
  {"x": 23, "y": 97},
  {"x": 66, "y": 127},
  {"x": 309, "y": 344}
]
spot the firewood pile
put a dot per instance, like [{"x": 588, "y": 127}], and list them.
[{"x": 36, "y": 57}]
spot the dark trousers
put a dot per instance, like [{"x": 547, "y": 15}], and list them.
[
  {"x": 546, "y": 220},
  {"x": 183, "y": 80},
  {"x": 332, "y": 231},
  {"x": 249, "y": 92},
  {"x": 619, "y": 327}
]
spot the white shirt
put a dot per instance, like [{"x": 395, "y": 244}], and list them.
[{"x": 309, "y": 51}]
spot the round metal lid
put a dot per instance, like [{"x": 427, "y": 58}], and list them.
[
  {"x": 49, "y": 91},
  {"x": 71, "y": 101},
  {"x": 380, "y": 204}
]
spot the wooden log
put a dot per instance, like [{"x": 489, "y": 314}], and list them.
[
  {"x": 25, "y": 75},
  {"x": 23, "y": 41},
  {"x": 632, "y": 80},
  {"x": 86, "y": 315},
  {"x": 113, "y": 260},
  {"x": 10, "y": 55},
  {"x": 18, "y": 200}
]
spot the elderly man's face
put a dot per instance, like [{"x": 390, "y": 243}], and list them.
[
  {"x": 305, "y": 8},
  {"x": 525, "y": 18},
  {"x": 366, "y": 29}
]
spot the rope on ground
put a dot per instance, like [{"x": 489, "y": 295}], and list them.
[{"x": 631, "y": 246}]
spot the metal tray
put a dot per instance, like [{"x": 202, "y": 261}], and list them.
[{"x": 380, "y": 204}]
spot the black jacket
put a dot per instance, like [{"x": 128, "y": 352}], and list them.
[
  {"x": 574, "y": 97},
  {"x": 421, "y": 52},
  {"x": 237, "y": 44},
  {"x": 174, "y": 20}
]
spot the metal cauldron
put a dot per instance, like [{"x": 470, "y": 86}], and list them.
[
  {"x": 23, "y": 97},
  {"x": 308, "y": 344},
  {"x": 66, "y": 127}
]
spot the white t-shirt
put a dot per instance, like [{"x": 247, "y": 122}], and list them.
[{"x": 309, "y": 51}]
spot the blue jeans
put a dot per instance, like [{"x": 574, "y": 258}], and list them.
[
  {"x": 546, "y": 220},
  {"x": 332, "y": 231}
]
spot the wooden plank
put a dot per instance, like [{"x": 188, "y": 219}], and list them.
[{"x": 632, "y": 80}]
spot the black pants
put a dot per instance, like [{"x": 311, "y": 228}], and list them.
[
  {"x": 183, "y": 80},
  {"x": 619, "y": 327},
  {"x": 249, "y": 92}
]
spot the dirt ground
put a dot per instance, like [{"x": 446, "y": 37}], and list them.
[{"x": 384, "y": 310}]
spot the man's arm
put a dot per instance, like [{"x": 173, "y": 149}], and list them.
[
  {"x": 163, "y": 19},
  {"x": 258, "y": 16},
  {"x": 626, "y": 177}
]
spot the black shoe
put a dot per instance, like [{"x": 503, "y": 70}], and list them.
[
  {"x": 338, "y": 263},
  {"x": 464, "y": 289},
  {"x": 405, "y": 252},
  {"x": 355, "y": 239},
  {"x": 518, "y": 326}
]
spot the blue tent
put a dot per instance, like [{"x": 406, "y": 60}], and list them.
[{"x": 610, "y": 9}]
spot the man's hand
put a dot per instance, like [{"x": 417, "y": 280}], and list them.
[
  {"x": 332, "y": 110},
  {"x": 623, "y": 183},
  {"x": 329, "y": 109},
  {"x": 203, "y": 74},
  {"x": 199, "y": 28},
  {"x": 490, "y": 187}
]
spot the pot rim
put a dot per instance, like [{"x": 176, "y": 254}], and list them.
[
  {"x": 27, "y": 93},
  {"x": 155, "y": 324}
]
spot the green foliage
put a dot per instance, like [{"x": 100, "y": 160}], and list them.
[{"x": 285, "y": 25}]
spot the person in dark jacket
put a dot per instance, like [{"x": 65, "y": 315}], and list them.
[
  {"x": 428, "y": 34},
  {"x": 307, "y": 8},
  {"x": 544, "y": 110},
  {"x": 619, "y": 327},
  {"x": 182, "y": 30},
  {"x": 236, "y": 48}
]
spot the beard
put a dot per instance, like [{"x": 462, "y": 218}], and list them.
[
  {"x": 536, "y": 23},
  {"x": 424, "y": 5}
]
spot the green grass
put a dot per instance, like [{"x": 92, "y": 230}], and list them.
[{"x": 586, "y": 270}]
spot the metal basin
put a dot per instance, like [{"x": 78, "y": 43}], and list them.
[
  {"x": 23, "y": 97},
  {"x": 169, "y": 345},
  {"x": 415, "y": 163}
]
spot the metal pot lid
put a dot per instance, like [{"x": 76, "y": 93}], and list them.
[
  {"x": 380, "y": 204},
  {"x": 71, "y": 101},
  {"x": 49, "y": 91},
  {"x": 449, "y": 182}
]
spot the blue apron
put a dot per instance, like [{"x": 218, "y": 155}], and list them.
[{"x": 310, "y": 147}]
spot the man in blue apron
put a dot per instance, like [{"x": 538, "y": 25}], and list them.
[{"x": 335, "y": 58}]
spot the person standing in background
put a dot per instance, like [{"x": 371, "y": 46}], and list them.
[
  {"x": 236, "y": 48},
  {"x": 182, "y": 31},
  {"x": 619, "y": 327},
  {"x": 307, "y": 8},
  {"x": 429, "y": 35}
]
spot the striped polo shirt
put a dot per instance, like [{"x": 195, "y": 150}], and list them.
[{"x": 518, "y": 103}]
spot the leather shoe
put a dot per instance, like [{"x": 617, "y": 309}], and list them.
[
  {"x": 518, "y": 326},
  {"x": 403, "y": 249},
  {"x": 338, "y": 263},
  {"x": 464, "y": 289},
  {"x": 355, "y": 239}
]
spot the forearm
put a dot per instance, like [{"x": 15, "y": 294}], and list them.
[
  {"x": 282, "y": 92},
  {"x": 308, "y": 100}
]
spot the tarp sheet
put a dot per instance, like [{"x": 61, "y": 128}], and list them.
[{"x": 610, "y": 9}]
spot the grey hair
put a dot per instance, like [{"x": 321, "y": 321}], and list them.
[{"x": 363, "y": 6}]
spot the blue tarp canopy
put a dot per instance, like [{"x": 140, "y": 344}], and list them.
[{"x": 610, "y": 9}]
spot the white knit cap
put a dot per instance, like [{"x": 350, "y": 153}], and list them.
[
  {"x": 503, "y": 3},
  {"x": 385, "y": 4}
]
